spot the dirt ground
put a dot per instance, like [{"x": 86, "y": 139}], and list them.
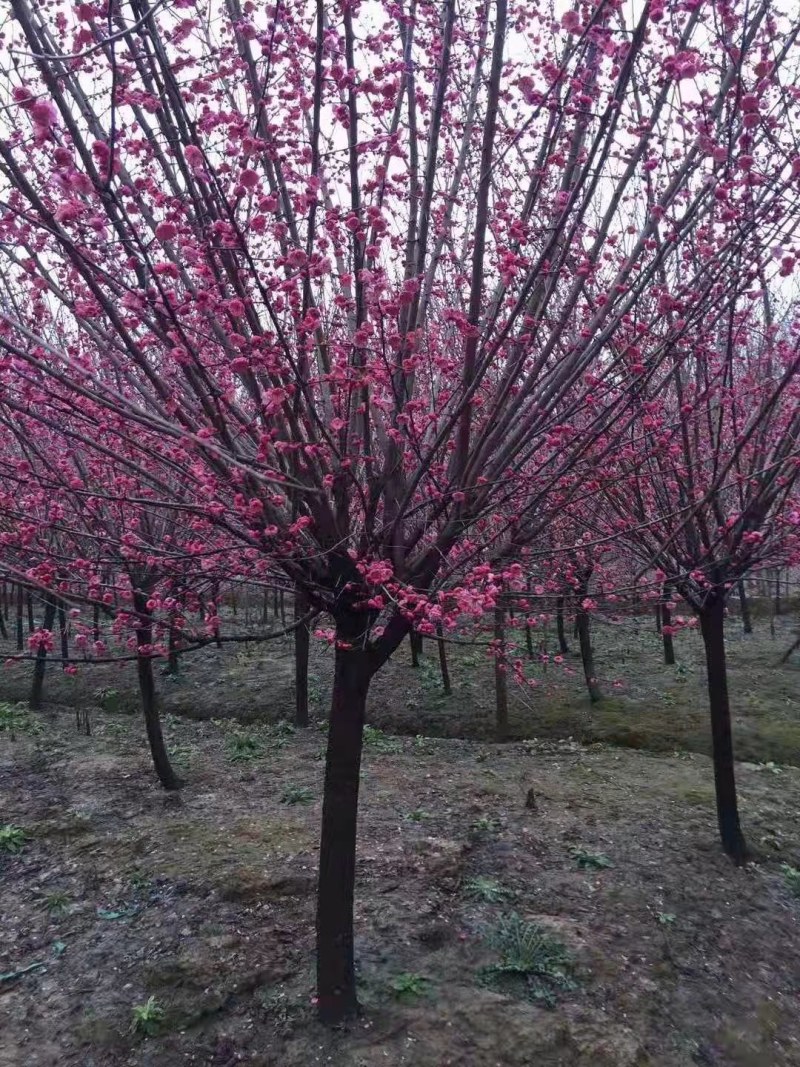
[{"x": 205, "y": 902}]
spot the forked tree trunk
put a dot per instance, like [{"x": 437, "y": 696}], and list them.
[
  {"x": 302, "y": 642},
  {"x": 336, "y": 980},
  {"x": 712, "y": 627},
  {"x": 147, "y": 690},
  {"x": 563, "y": 647},
  {"x": 40, "y": 663},
  {"x": 500, "y": 677},
  {"x": 666, "y": 630},
  {"x": 443, "y": 660}
]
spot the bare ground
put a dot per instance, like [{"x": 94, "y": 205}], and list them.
[{"x": 206, "y": 903}]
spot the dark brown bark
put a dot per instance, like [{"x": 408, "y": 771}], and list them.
[
  {"x": 666, "y": 631},
  {"x": 31, "y": 620},
  {"x": 658, "y": 618},
  {"x": 62, "y": 628},
  {"x": 302, "y": 642},
  {"x": 40, "y": 663},
  {"x": 712, "y": 626},
  {"x": 744, "y": 605},
  {"x": 500, "y": 678},
  {"x": 583, "y": 627},
  {"x": 443, "y": 660},
  {"x": 20, "y": 618},
  {"x": 563, "y": 647},
  {"x": 147, "y": 691},
  {"x": 96, "y": 622},
  {"x": 336, "y": 982},
  {"x": 414, "y": 645}
]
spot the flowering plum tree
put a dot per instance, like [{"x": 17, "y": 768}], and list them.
[{"x": 365, "y": 277}]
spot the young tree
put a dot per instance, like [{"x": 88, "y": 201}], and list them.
[{"x": 356, "y": 275}]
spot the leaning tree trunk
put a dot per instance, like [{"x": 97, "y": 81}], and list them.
[
  {"x": 712, "y": 627},
  {"x": 666, "y": 630},
  {"x": 500, "y": 678},
  {"x": 744, "y": 603},
  {"x": 336, "y": 980},
  {"x": 443, "y": 660},
  {"x": 302, "y": 643},
  {"x": 147, "y": 690},
  {"x": 563, "y": 647},
  {"x": 40, "y": 662}
]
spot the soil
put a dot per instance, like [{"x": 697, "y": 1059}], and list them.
[{"x": 204, "y": 900}]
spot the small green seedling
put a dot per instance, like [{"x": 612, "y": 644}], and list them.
[
  {"x": 486, "y": 889},
  {"x": 418, "y": 815},
  {"x": 590, "y": 860},
  {"x": 297, "y": 794},
  {"x": 12, "y": 839},
  {"x": 483, "y": 825},
  {"x": 147, "y": 1018},
  {"x": 791, "y": 876},
  {"x": 665, "y": 918},
  {"x": 408, "y": 985},
  {"x": 57, "y": 903}
]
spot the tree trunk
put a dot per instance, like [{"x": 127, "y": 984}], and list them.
[
  {"x": 265, "y": 608},
  {"x": 31, "y": 620},
  {"x": 96, "y": 622},
  {"x": 336, "y": 980},
  {"x": 562, "y": 638},
  {"x": 777, "y": 605},
  {"x": 747, "y": 622},
  {"x": 500, "y": 678},
  {"x": 443, "y": 660},
  {"x": 147, "y": 690},
  {"x": 658, "y": 618},
  {"x": 20, "y": 617},
  {"x": 4, "y": 616},
  {"x": 412, "y": 640},
  {"x": 583, "y": 626},
  {"x": 666, "y": 630},
  {"x": 173, "y": 660},
  {"x": 712, "y": 627},
  {"x": 302, "y": 642},
  {"x": 62, "y": 626},
  {"x": 40, "y": 662}
]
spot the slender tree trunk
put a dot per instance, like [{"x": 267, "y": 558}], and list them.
[
  {"x": 414, "y": 646},
  {"x": 500, "y": 676},
  {"x": 563, "y": 647},
  {"x": 96, "y": 622},
  {"x": 6, "y": 597},
  {"x": 3, "y": 617},
  {"x": 712, "y": 626},
  {"x": 31, "y": 620},
  {"x": 302, "y": 643},
  {"x": 265, "y": 608},
  {"x": 147, "y": 690},
  {"x": 666, "y": 630},
  {"x": 40, "y": 663},
  {"x": 20, "y": 618},
  {"x": 777, "y": 606},
  {"x": 336, "y": 981},
  {"x": 443, "y": 660},
  {"x": 173, "y": 660},
  {"x": 747, "y": 622},
  {"x": 658, "y": 618},
  {"x": 583, "y": 627},
  {"x": 62, "y": 627}
]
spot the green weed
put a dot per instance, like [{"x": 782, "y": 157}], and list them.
[
  {"x": 297, "y": 794},
  {"x": 378, "y": 741},
  {"x": 12, "y": 838},
  {"x": 409, "y": 985},
  {"x": 57, "y": 903},
  {"x": 147, "y": 1018},
  {"x": 590, "y": 860},
  {"x": 532, "y": 961},
  {"x": 243, "y": 747},
  {"x": 791, "y": 877},
  {"x": 486, "y": 889}
]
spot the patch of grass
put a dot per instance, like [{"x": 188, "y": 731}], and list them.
[
  {"x": 486, "y": 889},
  {"x": 484, "y": 825},
  {"x": 297, "y": 794},
  {"x": 109, "y": 699},
  {"x": 241, "y": 746},
  {"x": 590, "y": 860},
  {"x": 532, "y": 961},
  {"x": 377, "y": 741},
  {"x": 12, "y": 838},
  {"x": 180, "y": 756},
  {"x": 418, "y": 815},
  {"x": 147, "y": 1018},
  {"x": 408, "y": 985},
  {"x": 16, "y": 719},
  {"x": 791, "y": 877}
]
